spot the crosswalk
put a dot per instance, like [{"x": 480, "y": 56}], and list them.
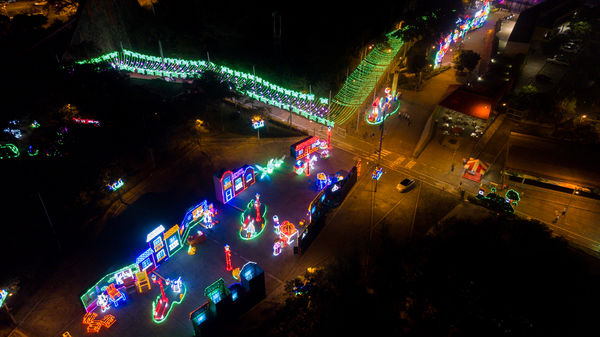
[{"x": 373, "y": 157}]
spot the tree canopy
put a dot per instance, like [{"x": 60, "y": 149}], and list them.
[{"x": 500, "y": 276}]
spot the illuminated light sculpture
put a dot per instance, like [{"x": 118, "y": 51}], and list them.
[
  {"x": 116, "y": 185},
  {"x": 360, "y": 83},
  {"x": 236, "y": 273},
  {"x": 276, "y": 224},
  {"x": 272, "y": 164},
  {"x": 203, "y": 214},
  {"x": 173, "y": 240},
  {"x": 277, "y": 248},
  {"x": 306, "y": 105},
  {"x": 142, "y": 283},
  {"x": 164, "y": 303},
  {"x": 32, "y": 152},
  {"x": 464, "y": 25},
  {"x": 103, "y": 302},
  {"x": 231, "y": 184},
  {"x": 322, "y": 180},
  {"x": 377, "y": 173},
  {"x": 8, "y": 151},
  {"x": 383, "y": 107},
  {"x": 304, "y": 147},
  {"x": 156, "y": 241},
  {"x": 287, "y": 233},
  {"x": 94, "y": 325},
  {"x": 228, "y": 265},
  {"x": 3, "y": 296},
  {"x": 115, "y": 296},
  {"x": 89, "y": 299},
  {"x": 253, "y": 219},
  {"x": 257, "y": 122},
  {"x": 86, "y": 121}
]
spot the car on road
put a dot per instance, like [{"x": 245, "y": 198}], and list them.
[{"x": 405, "y": 185}]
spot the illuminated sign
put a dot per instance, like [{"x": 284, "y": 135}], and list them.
[
  {"x": 304, "y": 147},
  {"x": 173, "y": 239}
]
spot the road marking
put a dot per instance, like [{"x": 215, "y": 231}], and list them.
[
  {"x": 398, "y": 162},
  {"x": 410, "y": 164}
]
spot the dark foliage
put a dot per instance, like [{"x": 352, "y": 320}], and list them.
[{"x": 502, "y": 276}]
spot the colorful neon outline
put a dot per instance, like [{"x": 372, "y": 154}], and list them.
[
  {"x": 251, "y": 205},
  {"x": 171, "y": 305}
]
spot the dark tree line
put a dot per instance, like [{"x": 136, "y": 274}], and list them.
[{"x": 497, "y": 277}]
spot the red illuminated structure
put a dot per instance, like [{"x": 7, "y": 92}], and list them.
[
  {"x": 163, "y": 302},
  {"x": 228, "y": 265},
  {"x": 230, "y": 184},
  {"x": 304, "y": 147}
]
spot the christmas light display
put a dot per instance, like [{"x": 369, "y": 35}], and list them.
[
  {"x": 276, "y": 224},
  {"x": 322, "y": 180},
  {"x": 231, "y": 184},
  {"x": 271, "y": 166},
  {"x": 166, "y": 301},
  {"x": 359, "y": 85},
  {"x": 303, "y": 149},
  {"x": 277, "y": 248},
  {"x": 116, "y": 185},
  {"x": 8, "y": 151},
  {"x": 115, "y": 296},
  {"x": 304, "y": 166},
  {"x": 94, "y": 325},
  {"x": 90, "y": 297},
  {"x": 287, "y": 233},
  {"x": 382, "y": 108},
  {"x": 257, "y": 122},
  {"x": 248, "y": 84},
  {"x": 86, "y": 121},
  {"x": 228, "y": 265},
  {"x": 464, "y": 25},
  {"x": 377, "y": 173},
  {"x": 253, "y": 219},
  {"x": 3, "y": 295},
  {"x": 203, "y": 214}
]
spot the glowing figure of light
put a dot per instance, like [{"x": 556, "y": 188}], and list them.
[
  {"x": 276, "y": 224},
  {"x": 228, "y": 265},
  {"x": 273, "y": 164},
  {"x": 116, "y": 185},
  {"x": 277, "y": 248},
  {"x": 103, "y": 302}
]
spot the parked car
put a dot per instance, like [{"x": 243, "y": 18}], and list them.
[{"x": 405, "y": 185}]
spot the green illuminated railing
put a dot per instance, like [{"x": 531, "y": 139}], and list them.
[{"x": 306, "y": 105}]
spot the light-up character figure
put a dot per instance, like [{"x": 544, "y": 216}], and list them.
[
  {"x": 250, "y": 229},
  {"x": 257, "y": 206},
  {"x": 176, "y": 285},
  {"x": 276, "y": 224},
  {"x": 208, "y": 219},
  {"x": 103, "y": 302},
  {"x": 228, "y": 265},
  {"x": 277, "y": 248}
]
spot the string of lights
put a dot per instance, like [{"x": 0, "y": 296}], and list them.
[{"x": 306, "y": 105}]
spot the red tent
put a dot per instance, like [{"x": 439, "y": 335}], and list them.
[{"x": 475, "y": 169}]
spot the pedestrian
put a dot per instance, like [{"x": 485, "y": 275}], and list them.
[
  {"x": 452, "y": 168},
  {"x": 564, "y": 211},
  {"x": 556, "y": 219}
]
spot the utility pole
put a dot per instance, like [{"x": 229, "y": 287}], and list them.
[
  {"x": 380, "y": 146},
  {"x": 49, "y": 221}
]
